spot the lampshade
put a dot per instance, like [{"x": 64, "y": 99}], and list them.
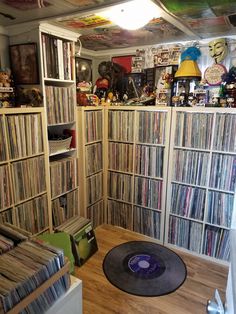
[
  {"x": 188, "y": 69},
  {"x": 132, "y": 14}
]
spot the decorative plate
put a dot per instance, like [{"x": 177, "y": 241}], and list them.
[{"x": 213, "y": 74}]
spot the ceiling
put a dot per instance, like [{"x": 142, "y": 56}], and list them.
[{"x": 179, "y": 21}]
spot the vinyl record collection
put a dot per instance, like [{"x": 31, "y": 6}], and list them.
[
  {"x": 94, "y": 188},
  {"x": 223, "y": 172},
  {"x": 120, "y": 125},
  {"x": 119, "y": 186},
  {"x": 224, "y": 139},
  {"x": 190, "y": 167},
  {"x": 120, "y": 214},
  {"x": 10, "y": 235},
  {"x": 147, "y": 192},
  {"x": 149, "y": 160},
  {"x": 25, "y": 268},
  {"x": 63, "y": 175},
  {"x": 57, "y": 54},
  {"x": 32, "y": 215},
  {"x": 60, "y": 104},
  {"x": 93, "y": 155},
  {"x": 203, "y": 182},
  {"x": 94, "y": 126},
  {"x": 24, "y": 174},
  {"x": 220, "y": 208},
  {"x": 193, "y": 130},
  {"x": 216, "y": 242},
  {"x": 83, "y": 240},
  {"x": 120, "y": 156},
  {"x": 64, "y": 207},
  {"x": 188, "y": 201},
  {"x": 151, "y": 127},
  {"x": 3, "y": 153},
  {"x": 5, "y": 190},
  {"x": 25, "y": 135},
  {"x": 96, "y": 213},
  {"x": 147, "y": 222},
  {"x": 185, "y": 233}
]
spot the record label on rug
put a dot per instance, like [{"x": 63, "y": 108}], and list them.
[
  {"x": 144, "y": 268},
  {"x": 144, "y": 265}
]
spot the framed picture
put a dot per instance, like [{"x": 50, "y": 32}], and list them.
[
  {"x": 24, "y": 63},
  {"x": 83, "y": 70}
]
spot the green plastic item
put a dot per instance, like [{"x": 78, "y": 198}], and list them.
[{"x": 60, "y": 240}]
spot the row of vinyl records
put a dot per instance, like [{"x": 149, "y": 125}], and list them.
[
  {"x": 192, "y": 167},
  {"x": 139, "y": 219},
  {"x": 31, "y": 215},
  {"x": 10, "y": 235},
  {"x": 60, "y": 103},
  {"x": 94, "y": 126},
  {"x": 57, "y": 58},
  {"x": 96, "y": 213},
  {"x": 193, "y": 130},
  {"x": 196, "y": 130},
  {"x": 188, "y": 234},
  {"x": 147, "y": 192},
  {"x": 24, "y": 132},
  {"x": 94, "y": 185},
  {"x": 192, "y": 202},
  {"x": 24, "y": 184},
  {"x": 93, "y": 155},
  {"x": 24, "y": 269},
  {"x": 151, "y": 126},
  {"x": 148, "y": 159},
  {"x": 63, "y": 174},
  {"x": 64, "y": 207}
]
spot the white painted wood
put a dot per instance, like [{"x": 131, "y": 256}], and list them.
[{"x": 71, "y": 301}]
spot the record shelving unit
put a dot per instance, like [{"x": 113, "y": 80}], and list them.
[
  {"x": 24, "y": 181},
  {"x": 58, "y": 85},
  {"x": 55, "y": 47},
  {"x": 137, "y": 168},
  {"x": 91, "y": 173},
  {"x": 202, "y": 180}
]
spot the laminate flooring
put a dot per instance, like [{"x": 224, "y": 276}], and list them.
[{"x": 101, "y": 297}]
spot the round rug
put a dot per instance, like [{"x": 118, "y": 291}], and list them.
[{"x": 144, "y": 268}]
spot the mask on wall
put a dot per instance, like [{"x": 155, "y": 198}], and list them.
[{"x": 218, "y": 49}]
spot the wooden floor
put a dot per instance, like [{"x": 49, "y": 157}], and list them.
[{"x": 100, "y": 296}]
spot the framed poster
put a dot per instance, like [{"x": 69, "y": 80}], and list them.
[{"x": 24, "y": 63}]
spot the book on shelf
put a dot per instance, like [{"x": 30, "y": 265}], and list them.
[{"x": 83, "y": 240}]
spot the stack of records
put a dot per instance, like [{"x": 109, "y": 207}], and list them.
[
  {"x": 26, "y": 267},
  {"x": 83, "y": 240},
  {"x": 10, "y": 236}
]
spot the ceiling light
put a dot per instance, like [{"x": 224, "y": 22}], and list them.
[{"x": 133, "y": 14}]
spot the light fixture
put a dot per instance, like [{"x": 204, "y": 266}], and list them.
[{"x": 133, "y": 14}]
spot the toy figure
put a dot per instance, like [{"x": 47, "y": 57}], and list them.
[{"x": 230, "y": 101}]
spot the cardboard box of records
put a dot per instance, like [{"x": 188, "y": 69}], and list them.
[{"x": 83, "y": 240}]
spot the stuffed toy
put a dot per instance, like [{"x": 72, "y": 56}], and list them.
[
  {"x": 31, "y": 97},
  {"x": 5, "y": 80}
]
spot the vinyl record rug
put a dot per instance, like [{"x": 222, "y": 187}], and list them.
[{"x": 144, "y": 268}]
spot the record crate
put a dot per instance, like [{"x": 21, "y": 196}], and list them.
[{"x": 41, "y": 289}]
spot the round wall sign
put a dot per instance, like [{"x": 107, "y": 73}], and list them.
[{"x": 214, "y": 73}]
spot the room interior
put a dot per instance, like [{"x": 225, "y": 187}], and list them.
[{"x": 97, "y": 39}]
